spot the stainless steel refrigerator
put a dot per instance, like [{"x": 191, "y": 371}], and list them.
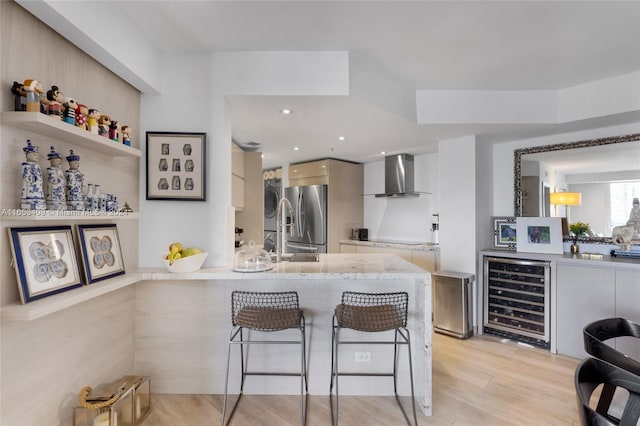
[{"x": 309, "y": 209}]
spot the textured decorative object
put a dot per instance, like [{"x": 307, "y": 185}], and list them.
[
  {"x": 32, "y": 196},
  {"x": 126, "y": 131},
  {"x": 92, "y": 123},
  {"x": 55, "y": 99},
  {"x": 33, "y": 90},
  {"x": 56, "y": 197},
  {"x": 69, "y": 113},
  {"x": 19, "y": 96},
  {"x": 74, "y": 183}
]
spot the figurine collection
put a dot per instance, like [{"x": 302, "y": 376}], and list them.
[
  {"x": 30, "y": 96},
  {"x": 58, "y": 189}
]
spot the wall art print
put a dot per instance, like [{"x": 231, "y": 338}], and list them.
[
  {"x": 505, "y": 234},
  {"x": 539, "y": 235},
  {"x": 176, "y": 166},
  {"x": 101, "y": 251},
  {"x": 45, "y": 261}
]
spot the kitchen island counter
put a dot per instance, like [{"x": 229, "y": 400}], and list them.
[{"x": 182, "y": 324}]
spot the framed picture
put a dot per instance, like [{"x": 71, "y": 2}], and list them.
[
  {"x": 176, "y": 166},
  {"x": 504, "y": 233},
  {"x": 45, "y": 261},
  {"x": 101, "y": 252},
  {"x": 539, "y": 234}
]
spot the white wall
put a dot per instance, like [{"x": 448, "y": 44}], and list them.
[
  {"x": 405, "y": 219},
  {"x": 192, "y": 99},
  {"x": 457, "y": 199}
]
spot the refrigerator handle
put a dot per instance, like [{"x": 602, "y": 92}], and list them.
[{"x": 299, "y": 213}]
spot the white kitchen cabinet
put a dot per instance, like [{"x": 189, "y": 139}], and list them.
[{"x": 584, "y": 294}]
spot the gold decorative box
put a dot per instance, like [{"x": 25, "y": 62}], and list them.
[{"x": 125, "y": 402}]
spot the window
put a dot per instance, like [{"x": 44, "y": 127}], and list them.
[{"x": 622, "y": 195}]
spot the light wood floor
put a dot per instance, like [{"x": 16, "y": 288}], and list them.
[{"x": 478, "y": 382}]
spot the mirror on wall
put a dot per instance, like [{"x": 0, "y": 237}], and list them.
[{"x": 605, "y": 171}]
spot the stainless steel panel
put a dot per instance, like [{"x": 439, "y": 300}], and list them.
[
  {"x": 309, "y": 214},
  {"x": 452, "y": 305},
  {"x": 398, "y": 172}
]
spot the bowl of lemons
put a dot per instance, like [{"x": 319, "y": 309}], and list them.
[{"x": 180, "y": 259}]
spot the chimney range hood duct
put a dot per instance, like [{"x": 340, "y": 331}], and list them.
[{"x": 398, "y": 176}]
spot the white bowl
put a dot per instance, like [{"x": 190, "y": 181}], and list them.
[{"x": 186, "y": 264}]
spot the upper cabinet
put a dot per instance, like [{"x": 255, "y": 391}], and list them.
[{"x": 311, "y": 173}]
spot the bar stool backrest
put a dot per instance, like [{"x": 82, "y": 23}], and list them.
[
  {"x": 373, "y": 311},
  {"x": 593, "y": 372},
  {"x": 596, "y": 333},
  {"x": 265, "y": 311}
]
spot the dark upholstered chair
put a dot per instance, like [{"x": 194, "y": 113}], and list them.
[
  {"x": 267, "y": 312},
  {"x": 371, "y": 313},
  {"x": 592, "y": 373},
  {"x": 595, "y": 336}
]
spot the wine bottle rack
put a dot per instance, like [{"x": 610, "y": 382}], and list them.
[{"x": 516, "y": 301}]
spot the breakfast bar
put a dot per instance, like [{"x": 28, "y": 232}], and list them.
[{"x": 182, "y": 324}]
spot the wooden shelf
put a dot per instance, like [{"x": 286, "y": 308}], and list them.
[
  {"x": 51, "y": 127},
  {"x": 64, "y": 215},
  {"x": 58, "y": 302}
]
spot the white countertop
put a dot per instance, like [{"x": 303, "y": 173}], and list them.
[
  {"x": 585, "y": 259},
  {"x": 410, "y": 245},
  {"x": 330, "y": 266}
]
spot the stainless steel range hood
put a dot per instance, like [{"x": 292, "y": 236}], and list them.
[{"x": 398, "y": 176}]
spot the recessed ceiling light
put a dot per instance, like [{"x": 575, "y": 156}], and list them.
[
  {"x": 340, "y": 138},
  {"x": 296, "y": 148},
  {"x": 263, "y": 156},
  {"x": 382, "y": 153},
  {"x": 286, "y": 111}
]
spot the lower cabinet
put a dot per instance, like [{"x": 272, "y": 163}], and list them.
[
  {"x": 585, "y": 295},
  {"x": 425, "y": 259}
]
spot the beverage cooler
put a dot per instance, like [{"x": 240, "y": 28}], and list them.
[{"x": 516, "y": 299}]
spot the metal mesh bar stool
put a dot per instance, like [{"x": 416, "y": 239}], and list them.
[
  {"x": 268, "y": 312},
  {"x": 371, "y": 313},
  {"x": 595, "y": 335},
  {"x": 590, "y": 374}
]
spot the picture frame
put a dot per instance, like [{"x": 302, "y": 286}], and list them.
[
  {"x": 101, "y": 252},
  {"x": 505, "y": 234},
  {"x": 45, "y": 261},
  {"x": 539, "y": 235},
  {"x": 176, "y": 166}
]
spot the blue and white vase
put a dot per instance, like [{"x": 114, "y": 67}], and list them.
[
  {"x": 32, "y": 194},
  {"x": 88, "y": 197},
  {"x": 74, "y": 183}
]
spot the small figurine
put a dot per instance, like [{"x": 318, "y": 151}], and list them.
[
  {"x": 32, "y": 197},
  {"x": 34, "y": 91},
  {"x": 126, "y": 208},
  {"x": 74, "y": 182},
  {"x": 114, "y": 134},
  {"x": 56, "y": 199},
  {"x": 69, "y": 113},
  {"x": 634, "y": 217},
  {"x": 92, "y": 124},
  {"x": 103, "y": 125},
  {"x": 82, "y": 113},
  {"x": 20, "y": 96},
  {"x": 55, "y": 98},
  {"x": 126, "y": 135}
]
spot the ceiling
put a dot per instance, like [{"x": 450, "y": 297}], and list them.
[{"x": 421, "y": 45}]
